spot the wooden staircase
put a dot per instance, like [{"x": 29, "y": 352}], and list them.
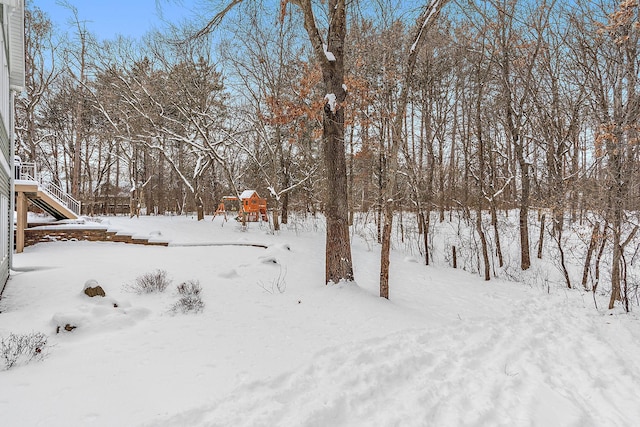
[
  {"x": 45, "y": 194},
  {"x": 30, "y": 186}
]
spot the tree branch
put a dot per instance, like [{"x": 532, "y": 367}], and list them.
[
  {"x": 312, "y": 30},
  {"x": 216, "y": 20}
]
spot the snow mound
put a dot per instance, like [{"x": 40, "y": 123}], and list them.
[
  {"x": 279, "y": 247},
  {"x": 99, "y": 317},
  {"x": 268, "y": 260},
  {"x": 229, "y": 274}
]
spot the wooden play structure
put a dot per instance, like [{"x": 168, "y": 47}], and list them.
[{"x": 249, "y": 204}]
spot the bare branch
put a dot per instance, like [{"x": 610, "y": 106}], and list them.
[
  {"x": 310, "y": 26},
  {"x": 216, "y": 20}
]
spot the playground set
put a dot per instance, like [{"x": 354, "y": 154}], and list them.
[{"x": 249, "y": 204}]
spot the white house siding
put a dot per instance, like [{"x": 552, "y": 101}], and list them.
[
  {"x": 12, "y": 75},
  {"x": 6, "y": 215},
  {"x": 5, "y": 228},
  {"x": 4, "y": 71}
]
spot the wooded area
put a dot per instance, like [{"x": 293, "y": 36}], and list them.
[{"x": 509, "y": 106}]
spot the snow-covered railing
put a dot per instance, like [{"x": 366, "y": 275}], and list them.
[{"x": 27, "y": 171}]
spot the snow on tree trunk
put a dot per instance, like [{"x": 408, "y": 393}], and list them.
[{"x": 330, "y": 56}]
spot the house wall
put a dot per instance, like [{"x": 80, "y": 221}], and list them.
[
  {"x": 5, "y": 186},
  {"x": 11, "y": 79},
  {"x": 6, "y": 217},
  {"x": 4, "y": 69}
]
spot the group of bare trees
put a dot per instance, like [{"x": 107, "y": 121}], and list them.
[{"x": 496, "y": 106}]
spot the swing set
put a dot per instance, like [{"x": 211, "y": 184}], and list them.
[{"x": 249, "y": 204}]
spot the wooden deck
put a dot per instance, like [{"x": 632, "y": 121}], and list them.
[
  {"x": 44, "y": 200},
  {"x": 30, "y": 186},
  {"x": 32, "y": 191}
]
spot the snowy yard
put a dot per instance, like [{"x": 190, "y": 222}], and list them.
[{"x": 447, "y": 349}]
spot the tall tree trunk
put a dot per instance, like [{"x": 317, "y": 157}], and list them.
[
  {"x": 425, "y": 236},
  {"x": 276, "y": 208},
  {"x": 381, "y": 180},
  {"x": 616, "y": 210},
  {"x": 563, "y": 264},
  {"x": 525, "y": 257},
  {"x": 284, "y": 210},
  {"x": 79, "y": 131},
  {"x": 481, "y": 185},
  {"x": 330, "y": 55},
  {"x": 541, "y": 237},
  {"x": 452, "y": 160},
  {"x": 483, "y": 243},
  {"x": 197, "y": 198},
  {"x": 615, "y": 269},
  {"x": 496, "y": 231},
  {"x": 351, "y": 186},
  {"x": 592, "y": 246}
]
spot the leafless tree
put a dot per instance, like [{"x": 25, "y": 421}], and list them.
[
  {"x": 41, "y": 48},
  {"x": 418, "y": 39},
  {"x": 329, "y": 53},
  {"x": 607, "y": 43},
  {"x": 279, "y": 106}
]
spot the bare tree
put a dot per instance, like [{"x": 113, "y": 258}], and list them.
[
  {"x": 171, "y": 103},
  {"x": 608, "y": 51},
  {"x": 280, "y": 108},
  {"x": 329, "y": 53},
  {"x": 77, "y": 67},
  {"x": 41, "y": 48},
  {"x": 418, "y": 39}
]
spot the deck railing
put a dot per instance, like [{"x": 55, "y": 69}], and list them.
[{"x": 27, "y": 171}]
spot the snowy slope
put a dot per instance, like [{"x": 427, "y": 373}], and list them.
[{"x": 447, "y": 350}]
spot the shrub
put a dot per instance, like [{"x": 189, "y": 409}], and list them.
[
  {"x": 190, "y": 298},
  {"x": 22, "y": 348},
  {"x": 278, "y": 284},
  {"x": 155, "y": 281}
]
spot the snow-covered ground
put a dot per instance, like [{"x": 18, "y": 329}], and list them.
[{"x": 274, "y": 346}]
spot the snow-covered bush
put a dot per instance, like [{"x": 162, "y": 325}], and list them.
[
  {"x": 155, "y": 281},
  {"x": 22, "y": 348},
  {"x": 190, "y": 300}
]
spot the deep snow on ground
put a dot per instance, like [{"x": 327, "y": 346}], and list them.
[{"x": 448, "y": 349}]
